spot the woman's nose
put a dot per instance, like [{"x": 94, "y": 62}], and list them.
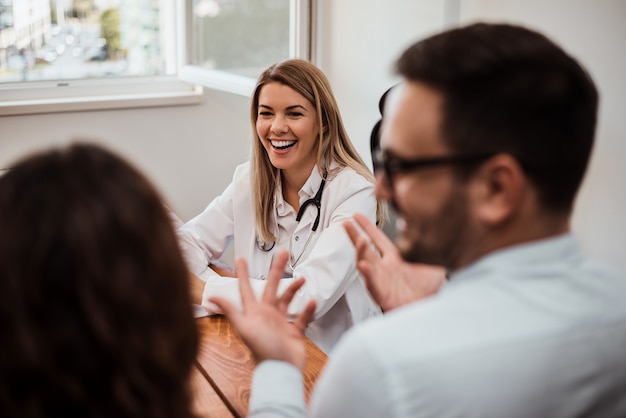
[{"x": 279, "y": 125}]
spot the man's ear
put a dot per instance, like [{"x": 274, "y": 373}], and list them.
[{"x": 500, "y": 190}]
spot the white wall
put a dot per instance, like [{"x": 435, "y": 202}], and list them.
[
  {"x": 358, "y": 43},
  {"x": 191, "y": 151}
]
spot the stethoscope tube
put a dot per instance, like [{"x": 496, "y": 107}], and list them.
[{"x": 315, "y": 201}]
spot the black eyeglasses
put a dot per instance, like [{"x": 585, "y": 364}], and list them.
[{"x": 392, "y": 165}]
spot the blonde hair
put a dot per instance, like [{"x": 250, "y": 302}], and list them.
[{"x": 333, "y": 145}]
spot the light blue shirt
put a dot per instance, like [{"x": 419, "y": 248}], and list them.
[{"x": 534, "y": 330}]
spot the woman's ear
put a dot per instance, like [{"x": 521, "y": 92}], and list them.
[{"x": 500, "y": 190}]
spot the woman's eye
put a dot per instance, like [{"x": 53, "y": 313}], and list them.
[
  {"x": 265, "y": 114},
  {"x": 295, "y": 114}
]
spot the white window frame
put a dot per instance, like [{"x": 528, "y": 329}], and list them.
[
  {"x": 184, "y": 88},
  {"x": 300, "y": 46}
]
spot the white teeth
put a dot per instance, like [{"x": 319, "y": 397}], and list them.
[{"x": 282, "y": 144}]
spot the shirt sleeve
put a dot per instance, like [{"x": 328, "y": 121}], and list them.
[
  {"x": 205, "y": 237},
  {"x": 228, "y": 288},
  {"x": 277, "y": 391},
  {"x": 351, "y": 384},
  {"x": 174, "y": 219}
]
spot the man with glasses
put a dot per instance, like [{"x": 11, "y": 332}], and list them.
[{"x": 483, "y": 148}]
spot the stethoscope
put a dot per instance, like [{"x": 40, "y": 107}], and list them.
[{"x": 315, "y": 201}]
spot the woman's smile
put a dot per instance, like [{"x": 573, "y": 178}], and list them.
[{"x": 282, "y": 145}]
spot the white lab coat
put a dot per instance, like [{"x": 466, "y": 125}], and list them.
[{"x": 328, "y": 262}]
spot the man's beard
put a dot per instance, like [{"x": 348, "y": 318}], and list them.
[{"x": 450, "y": 231}]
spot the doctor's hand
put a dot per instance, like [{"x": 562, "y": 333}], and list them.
[
  {"x": 391, "y": 281},
  {"x": 262, "y": 324}
]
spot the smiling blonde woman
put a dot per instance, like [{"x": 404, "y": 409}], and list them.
[{"x": 304, "y": 179}]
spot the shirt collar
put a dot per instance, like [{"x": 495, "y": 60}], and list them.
[
  {"x": 541, "y": 255},
  {"x": 312, "y": 184}
]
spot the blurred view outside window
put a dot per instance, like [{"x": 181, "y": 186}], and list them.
[
  {"x": 240, "y": 36},
  {"x": 77, "y": 39}
]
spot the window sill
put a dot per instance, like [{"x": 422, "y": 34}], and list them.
[
  {"x": 80, "y": 98},
  {"x": 218, "y": 80}
]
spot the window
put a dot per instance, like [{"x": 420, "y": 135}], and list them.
[
  {"x": 58, "y": 55},
  {"x": 258, "y": 33}
]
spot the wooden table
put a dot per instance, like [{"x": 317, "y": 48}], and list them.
[{"x": 223, "y": 369}]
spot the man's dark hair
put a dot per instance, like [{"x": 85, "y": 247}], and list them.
[{"x": 508, "y": 89}]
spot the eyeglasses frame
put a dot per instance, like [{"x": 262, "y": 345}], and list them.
[{"x": 396, "y": 165}]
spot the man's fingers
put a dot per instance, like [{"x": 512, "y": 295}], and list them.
[
  {"x": 277, "y": 270},
  {"x": 352, "y": 231},
  {"x": 245, "y": 289},
  {"x": 306, "y": 316},
  {"x": 361, "y": 243},
  {"x": 369, "y": 234},
  {"x": 230, "y": 310},
  {"x": 287, "y": 296},
  {"x": 365, "y": 269},
  {"x": 382, "y": 243}
]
